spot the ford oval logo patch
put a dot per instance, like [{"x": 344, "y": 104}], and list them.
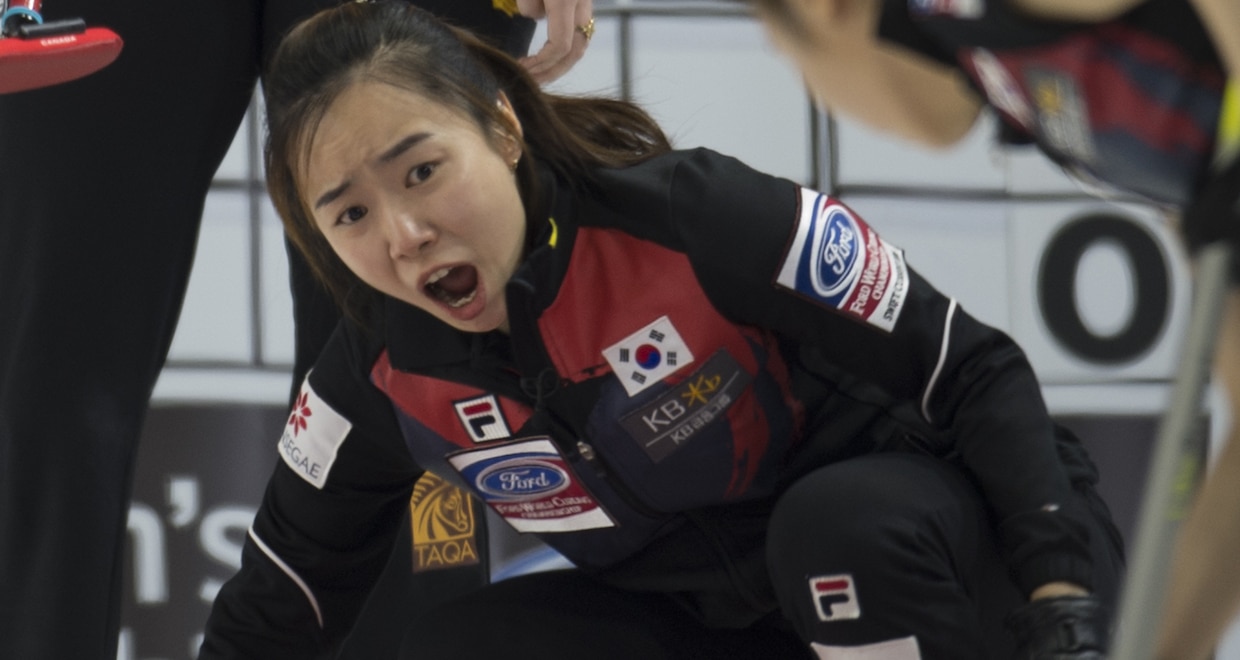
[
  {"x": 837, "y": 242},
  {"x": 528, "y": 482},
  {"x": 838, "y": 261},
  {"x": 521, "y": 479}
]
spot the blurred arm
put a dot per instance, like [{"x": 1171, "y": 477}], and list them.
[{"x": 1204, "y": 587}]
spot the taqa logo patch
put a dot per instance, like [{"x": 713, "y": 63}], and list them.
[{"x": 521, "y": 479}]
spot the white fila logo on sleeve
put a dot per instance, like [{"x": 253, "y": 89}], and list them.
[{"x": 312, "y": 437}]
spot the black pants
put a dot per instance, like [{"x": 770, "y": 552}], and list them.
[
  {"x": 871, "y": 550},
  {"x": 102, "y": 184}
]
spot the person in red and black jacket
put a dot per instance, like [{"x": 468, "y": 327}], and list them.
[{"x": 749, "y": 424}]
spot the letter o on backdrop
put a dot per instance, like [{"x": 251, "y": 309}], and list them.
[{"x": 1057, "y": 288}]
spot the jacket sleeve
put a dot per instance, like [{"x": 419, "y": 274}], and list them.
[
  {"x": 772, "y": 254},
  {"x": 327, "y": 522}
]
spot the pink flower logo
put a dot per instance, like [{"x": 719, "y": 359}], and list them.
[{"x": 301, "y": 411}]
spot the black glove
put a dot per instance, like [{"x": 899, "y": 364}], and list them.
[
  {"x": 1063, "y": 628},
  {"x": 1214, "y": 212}
]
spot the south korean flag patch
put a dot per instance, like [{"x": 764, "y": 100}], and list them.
[{"x": 648, "y": 355}]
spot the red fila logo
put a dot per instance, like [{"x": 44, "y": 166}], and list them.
[
  {"x": 483, "y": 418},
  {"x": 835, "y": 597}
]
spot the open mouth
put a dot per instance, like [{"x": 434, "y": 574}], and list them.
[{"x": 455, "y": 287}]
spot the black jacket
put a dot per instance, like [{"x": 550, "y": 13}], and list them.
[{"x": 688, "y": 337}]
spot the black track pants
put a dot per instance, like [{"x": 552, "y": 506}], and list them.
[
  {"x": 566, "y": 615},
  {"x": 102, "y": 184},
  {"x": 889, "y": 551},
  {"x": 886, "y": 547}
]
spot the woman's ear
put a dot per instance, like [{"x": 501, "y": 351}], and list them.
[{"x": 510, "y": 132}]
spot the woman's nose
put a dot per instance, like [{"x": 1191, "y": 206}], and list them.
[{"x": 407, "y": 235}]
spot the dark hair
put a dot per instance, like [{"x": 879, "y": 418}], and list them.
[{"x": 402, "y": 45}]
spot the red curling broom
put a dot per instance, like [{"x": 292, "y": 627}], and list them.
[{"x": 37, "y": 53}]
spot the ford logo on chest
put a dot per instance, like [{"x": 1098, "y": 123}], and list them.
[
  {"x": 522, "y": 479},
  {"x": 837, "y": 241}
]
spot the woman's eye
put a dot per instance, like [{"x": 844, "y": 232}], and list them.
[
  {"x": 421, "y": 173},
  {"x": 351, "y": 215}
]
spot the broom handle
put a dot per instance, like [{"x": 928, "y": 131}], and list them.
[{"x": 1175, "y": 467}]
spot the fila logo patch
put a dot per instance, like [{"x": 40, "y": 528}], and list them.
[
  {"x": 835, "y": 597},
  {"x": 648, "y": 355},
  {"x": 483, "y": 418},
  {"x": 312, "y": 437}
]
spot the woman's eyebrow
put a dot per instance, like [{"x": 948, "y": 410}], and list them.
[
  {"x": 401, "y": 147},
  {"x": 388, "y": 156},
  {"x": 331, "y": 195}
]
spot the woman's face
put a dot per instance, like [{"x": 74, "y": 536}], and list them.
[{"x": 419, "y": 202}]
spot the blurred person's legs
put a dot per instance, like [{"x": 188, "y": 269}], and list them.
[{"x": 104, "y": 182}]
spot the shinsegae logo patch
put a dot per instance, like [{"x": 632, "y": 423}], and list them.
[
  {"x": 648, "y": 355},
  {"x": 530, "y": 484},
  {"x": 312, "y": 436},
  {"x": 835, "y": 597},
  {"x": 483, "y": 418},
  {"x": 665, "y": 424},
  {"x": 443, "y": 525}
]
